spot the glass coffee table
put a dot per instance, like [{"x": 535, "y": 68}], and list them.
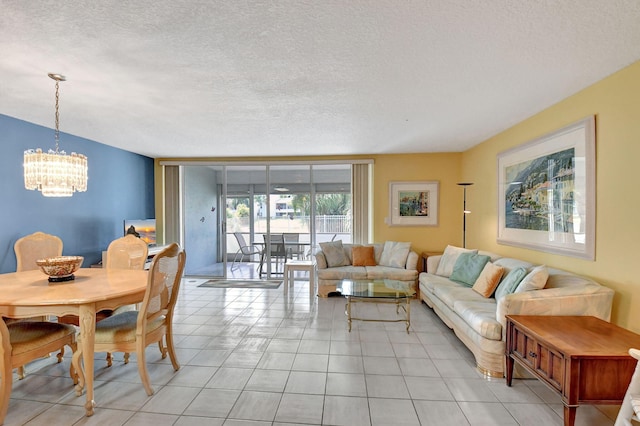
[{"x": 378, "y": 291}]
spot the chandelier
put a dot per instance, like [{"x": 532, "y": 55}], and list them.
[{"x": 55, "y": 173}]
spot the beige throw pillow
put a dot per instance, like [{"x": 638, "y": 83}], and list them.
[
  {"x": 488, "y": 280},
  {"x": 394, "y": 254},
  {"x": 449, "y": 258},
  {"x": 534, "y": 280},
  {"x": 334, "y": 253}
]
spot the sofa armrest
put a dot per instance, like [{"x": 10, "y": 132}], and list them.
[
  {"x": 321, "y": 260},
  {"x": 594, "y": 299},
  {"x": 432, "y": 263},
  {"x": 412, "y": 261}
]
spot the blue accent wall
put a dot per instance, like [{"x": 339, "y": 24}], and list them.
[{"x": 120, "y": 187}]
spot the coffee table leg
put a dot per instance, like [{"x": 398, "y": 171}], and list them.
[
  {"x": 349, "y": 312},
  {"x": 408, "y": 314}
]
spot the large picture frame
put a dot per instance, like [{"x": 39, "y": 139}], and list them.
[
  {"x": 413, "y": 203},
  {"x": 546, "y": 192}
]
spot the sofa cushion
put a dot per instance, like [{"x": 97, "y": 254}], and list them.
[
  {"x": 394, "y": 254},
  {"x": 510, "y": 282},
  {"x": 488, "y": 280},
  {"x": 449, "y": 258},
  {"x": 382, "y": 272},
  {"x": 429, "y": 282},
  {"x": 480, "y": 316},
  {"x": 363, "y": 256},
  {"x": 468, "y": 268},
  {"x": 343, "y": 273},
  {"x": 535, "y": 280},
  {"x": 449, "y": 295},
  {"x": 334, "y": 253}
]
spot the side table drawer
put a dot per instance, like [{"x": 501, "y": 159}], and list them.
[
  {"x": 551, "y": 367},
  {"x": 525, "y": 348},
  {"x": 547, "y": 364}
]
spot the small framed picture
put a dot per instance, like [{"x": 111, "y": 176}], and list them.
[{"x": 413, "y": 203}]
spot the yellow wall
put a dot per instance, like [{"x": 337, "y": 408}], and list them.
[
  {"x": 615, "y": 101},
  {"x": 444, "y": 168}
]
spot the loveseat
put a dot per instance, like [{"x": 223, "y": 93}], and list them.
[
  {"x": 476, "y": 310},
  {"x": 390, "y": 260}
]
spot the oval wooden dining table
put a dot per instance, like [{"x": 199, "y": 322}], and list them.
[{"x": 29, "y": 294}]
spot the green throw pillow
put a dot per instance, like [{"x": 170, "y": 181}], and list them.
[
  {"x": 468, "y": 268},
  {"x": 510, "y": 282}
]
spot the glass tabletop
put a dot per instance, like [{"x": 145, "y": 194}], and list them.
[{"x": 380, "y": 289}]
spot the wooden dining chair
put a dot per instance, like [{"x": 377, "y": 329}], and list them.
[
  {"x": 133, "y": 331},
  {"x": 128, "y": 252},
  {"x": 23, "y": 342},
  {"x": 630, "y": 408},
  {"x": 28, "y": 249},
  {"x": 36, "y": 246}
]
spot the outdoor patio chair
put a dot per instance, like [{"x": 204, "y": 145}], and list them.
[{"x": 244, "y": 249}]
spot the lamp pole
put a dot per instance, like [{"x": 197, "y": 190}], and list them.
[{"x": 464, "y": 212}]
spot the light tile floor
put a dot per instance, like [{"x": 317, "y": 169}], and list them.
[{"x": 258, "y": 357}]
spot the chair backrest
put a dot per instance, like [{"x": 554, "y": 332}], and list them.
[
  {"x": 630, "y": 407},
  {"x": 291, "y": 237},
  {"x": 276, "y": 244},
  {"x": 163, "y": 285},
  {"x": 242, "y": 243},
  {"x": 128, "y": 252},
  {"x": 33, "y": 247}
]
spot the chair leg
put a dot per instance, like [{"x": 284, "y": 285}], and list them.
[
  {"x": 21, "y": 372},
  {"x": 73, "y": 371},
  {"x": 60, "y": 355},
  {"x": 6, "y": 379},
  {"x": 163, "y": 350},
  {"x": 109, "y": 359},
  {"x": 142, "y": 367},
  {"x": 235, "y": 259},
  {"x": 171, "y": 348},
  {"x": 75, "y": 363}
]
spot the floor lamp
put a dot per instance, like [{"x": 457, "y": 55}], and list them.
[{"x": 465, "y": 212}]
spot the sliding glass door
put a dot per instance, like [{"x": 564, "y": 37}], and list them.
[{"x": 244, "y": 221}]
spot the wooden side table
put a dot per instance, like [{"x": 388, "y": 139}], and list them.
[
  {"x": 584, "y": 359},
  {"x": 425, "y": 255}
]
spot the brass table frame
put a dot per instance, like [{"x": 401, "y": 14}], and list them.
[{"x": 395, "y": 292}]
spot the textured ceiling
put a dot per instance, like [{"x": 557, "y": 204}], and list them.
[{"x": 185, "y": 78}]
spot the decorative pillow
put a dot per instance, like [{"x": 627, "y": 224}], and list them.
[
  {"x": 535, "y": 280},
  {"x": 334, "y": 252},
  {"x": 448, "y": 260},
  {"x": 468, "y": 268},
  {"x": 488, "y": 280},
  {"x": 510, "y": 282},
  {"x": 363, "y": 256},
  {"x": 395, "y": 254}
]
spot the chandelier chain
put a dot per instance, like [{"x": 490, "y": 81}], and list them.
[{"x": 57, "y": 134}]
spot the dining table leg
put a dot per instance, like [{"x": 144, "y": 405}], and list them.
[{"x": 87, "y": 340}]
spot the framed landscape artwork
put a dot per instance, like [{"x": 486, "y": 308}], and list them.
[
  {"x": 546, "y": 192},
  {"x": 413, "y": 203}
]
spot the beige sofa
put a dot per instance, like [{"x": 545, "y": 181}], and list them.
[
  {"x": 479, "y": 322},
  {"x": 404, "y": 266}
]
